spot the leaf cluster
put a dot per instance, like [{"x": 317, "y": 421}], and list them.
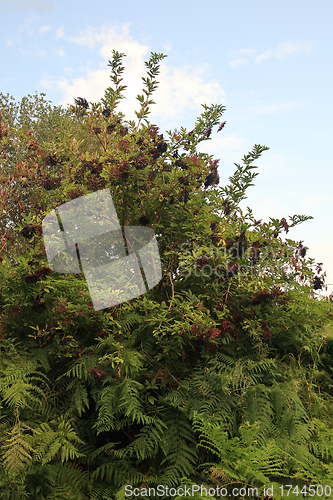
[{"x": 216, "y": 379}]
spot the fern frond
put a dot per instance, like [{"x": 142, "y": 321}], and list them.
[
  {"x": 16, "y": 451},
  {"x": 60, "y": 442},
  {"x": 178, "y": 447},
  {"x": 80, "y": 399}
]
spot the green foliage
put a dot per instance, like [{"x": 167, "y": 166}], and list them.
[{"x": 218, "y": 379}]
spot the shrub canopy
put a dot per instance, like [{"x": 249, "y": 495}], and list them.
[{"x": 219, "y": 376}]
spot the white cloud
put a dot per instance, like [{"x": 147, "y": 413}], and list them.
[
  {"x": 315, "y": 200},
  {"x": 265, "y": 55},
  {"x": 285, "y": 49},
  {"x": 240, "y": 61},
  {"x": 282, "y": 51},
  {"x": 246, "y": 52},
  {"x": 229, "y": 149},
  {"x": 89, "y": 88},
  {"x": 276, "y": 108},
  {"x": 43, "y": 29},
  {"x": 180, "y": 89},
  {"x": 241, "y": 52},
  {"x": 60, "y": 32},
  {"x": 237, "y": 62},
  {"x": 41, "y": 53},
  {"x": 232, "y": 143},
  {"x": 60, "y": 52},
  {"x": 46, "y": 83},
  {"x": 183, "y": 89},
  {"x": 275, "y": 166}
]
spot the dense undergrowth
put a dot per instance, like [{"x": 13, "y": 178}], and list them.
[{"x": 212, "y": 378}]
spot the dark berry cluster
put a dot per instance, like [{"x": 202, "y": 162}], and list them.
[
  {"x": 227, "y": 207},
  {"x": 238, "y": 318},
  {"x": 124, "y": 145},
  {"x": 232, "y": 270},
  {"x": 284, "y": 224},
  {"x": 44, "y": 271},
  {"x": 181, "y": 164},
  {"x": 16, "y": 310},
  {"x": 140, "y": 142},
  {"x": 124, "y": 170},
  {"x": 207, "y": 132},
  {"x": 151, "y": 177},
  {"x": 229, "y": 243},
  {"x": 38, "y": 306},
  {"x": 110, "y": 128},
  {"x": 118, "y": 171},
  {"x": 3, "y": 131},
  {"x": 94, "y": 183},
  {"x": 139, "y": 162},
  {"x": 123, "y": 131},
  {"x": 226, "y": 327},
  {"x": 215, "y": 238},
  {"x": 143, "y": 220},
  {"x": 38, "y": 275},
  {"x": 75, "y": 193},
  {"x": 31, "y": 278},
  {"x": 82, "y": 103},
  {"x": 106, "y": 112},
  {"x": 29, "y": 231},
  {"x": 60, "y": 306},
  {"x": 265, "y": 296},
  {"x": 267, "y": 332},
  {"x": 186, "y": 194},
  {"x": 254, "y": 252},
  {"x": 302, "y": 251},
  {"x": 201, "y": 262},
  {"x": 242, "y": 241},
  {"x": 213, "y": 177},
  {"x": 184, "y": 181},
  {"x": 221, "y": 126},
  {"x": 210, "y": 180},
  {"x": 318, "y": 283},
  {"x": 94, "y": 166},
  {"x": 152, "y": 131},
  {"x": 197, "y": 330},
  {"x": 160, "y": 147},
  {"x": 261, "y": 297},
  {"x": 50, "y": 184},
  {"x": 51, "y": 160},
  {"x": 213, "y": 333}
]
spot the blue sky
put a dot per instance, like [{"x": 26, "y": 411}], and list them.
[{"x": 269, "y": 63}]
